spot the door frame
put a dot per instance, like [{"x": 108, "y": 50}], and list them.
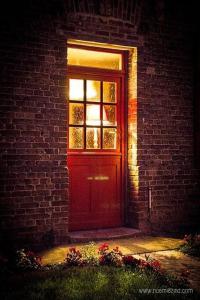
[{"x": 122, "y": 75}]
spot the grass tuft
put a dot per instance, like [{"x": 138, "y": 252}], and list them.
[{"x": 84, "y": 283}]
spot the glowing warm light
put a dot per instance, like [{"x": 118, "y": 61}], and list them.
[
  {"x": 76, "y": 89},
  {"x": 91, "y": 91},
  {"x": 134, "y": 172},
  {"x": 94, "y": 59},
  {"x": 99, "y": 178},
  {"x": 105, "y": 119},
  {"x": 93, "y": 118},
  {"x": 133, "y": 141},
  {"x": 93, "y": 114}
]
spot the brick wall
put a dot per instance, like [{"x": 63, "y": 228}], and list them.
[
  {"x": 165, "y": 126},
  {"x": 33, "y": 174},
  {"x": 34, "y": 179},
  {"x": 197, "y": 102}
]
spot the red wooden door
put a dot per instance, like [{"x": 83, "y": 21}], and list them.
[{"x": 95, "y": 150}]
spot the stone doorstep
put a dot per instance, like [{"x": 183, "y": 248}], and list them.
[{"x": 103, "y": 234}]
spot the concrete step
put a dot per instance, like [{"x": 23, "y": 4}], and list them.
[{"x": 103, "y": 234}]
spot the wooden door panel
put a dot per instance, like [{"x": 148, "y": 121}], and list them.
[
  {"x": 80, "y": 201},
  {"x": 105, "y": 187},
  {"x": 95, "y": 192}
]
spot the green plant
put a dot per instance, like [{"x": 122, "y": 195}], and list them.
[
  {"x": 150, "y": 264},
  {"x": 110, "y": 257},
  {"x": 89, "y": 254},
  {"x": 74, "y": 257},
  {"x": 27, "y": 260},
  {"x": 129, "y": 260},
  {"x": 102, "y": 282},
  {"x": 191, "y": 245},
  {"x": 98, "y": 277}
]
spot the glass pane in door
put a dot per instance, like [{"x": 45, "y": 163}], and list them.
[
  {"x": 93, "y": 138},
  {"x": 76, "y": 89},
  {"x": 109, "y": 115},
  {"x": 76, "y": 139},
  {"x": 109, "y": 92},
  {"x": 93, "y": 91},
  {"x": 93, "y": 114},
  {"x": 109, "y": 138},
  {"x": 76, "y": 114}
]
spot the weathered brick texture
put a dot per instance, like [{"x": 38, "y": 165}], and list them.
[
  {"x": 33, "y": 175},
  {"x": 34, "y": 179}
]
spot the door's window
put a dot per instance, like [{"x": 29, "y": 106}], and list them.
[
  {"x": 76, "y": 139},
  {"x": 76, "y": 114},
  {"x": 93, "y": 91},
  {"x": 93, "y": 138},
  {"x": 92, "y": 114},
  {"x": 109, "y": 115},
  {"x": 94, "y": 59},
  {"x": 76, "y": 89},
  {"x": 109, "y": 92},
  {"x": 109, "y": 138}
]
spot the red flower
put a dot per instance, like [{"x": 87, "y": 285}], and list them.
[
  {"x": 130, "y": 260},
  {"x": 72, "y": 249},
  {"x": 103, "y": 248},
  {"x": 143, "y": 263},
  {"x": 155, "y": 264}
]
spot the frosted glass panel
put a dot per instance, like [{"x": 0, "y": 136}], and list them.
[
  {"x": 93, "y": 114},
  {"x": 76, "y": 90},
  {"x": 95, "y": 59},
  {"x": 93, "y": 90},
  {"x": 93, "y": 138},
  {"x": 109, "y": 115},
  {"x": 109, "y": 138},
  {"x": 76, "y": 114},
  {"x": 76, "y": 140},
  {"x": 109, "y": 92}
]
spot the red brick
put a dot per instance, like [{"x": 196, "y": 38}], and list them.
[{"x": 34, "y": 185}]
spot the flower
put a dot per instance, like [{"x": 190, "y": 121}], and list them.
[
  {"x": 113, "y": 257},
  {"x": 103, "y": 248},
  {"x": 130, "y": 260},
  {"x": 143, "y": 263},
  {"x": 74, "y": 257},
  {"x": 28, "y": 260},
  {"x": 72, "y": 249},
  {"x": 155, "y": 264}
]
